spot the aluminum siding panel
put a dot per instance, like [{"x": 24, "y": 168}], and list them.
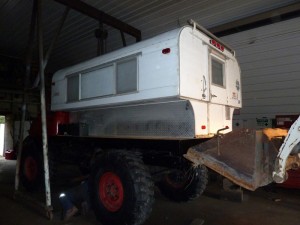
[{"x": 269, "y": 58}]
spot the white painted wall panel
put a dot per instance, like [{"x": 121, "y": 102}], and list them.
[
  {"x": 269, "y": 57},
  {"x": 157, "y": 77}
]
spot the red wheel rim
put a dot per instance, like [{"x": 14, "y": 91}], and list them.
[
  {"x": 31, "y": 168},
  {"x": 111, "y": 191}
]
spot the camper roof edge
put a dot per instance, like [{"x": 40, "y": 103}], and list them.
[{"x": 208, "y": 33}]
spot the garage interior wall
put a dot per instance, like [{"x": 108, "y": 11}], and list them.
[
  {"x": 269, "y": 57},
  {"x": 77, "y": 40}
]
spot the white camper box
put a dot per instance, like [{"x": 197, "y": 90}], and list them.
[{"x": 180, "y": 84}]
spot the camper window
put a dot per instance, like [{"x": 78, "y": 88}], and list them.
[
  {"x": 73, "y": 88},
  {"x": 98, "y": 83},
  {"x": 127, "y": 76},
  {"x": 217, "y": 72}
]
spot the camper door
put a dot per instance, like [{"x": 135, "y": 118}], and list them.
[{"x": 218, "y": 93}]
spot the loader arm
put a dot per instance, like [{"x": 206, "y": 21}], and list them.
[{"x": 283, "y": 160}]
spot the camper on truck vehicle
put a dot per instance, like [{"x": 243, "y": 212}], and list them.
[{"x": 128, "y": 117}]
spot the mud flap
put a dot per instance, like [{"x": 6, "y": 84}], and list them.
[{"x": 246, "y": 157}]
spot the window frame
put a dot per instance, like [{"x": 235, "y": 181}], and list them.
[
  {"x": 128, "y": 59},
  {"x": 84, "y": 72},
  {"x": 114, "y": 64},
  {"x": 70, "y": 76},
  {"x": 222, "y": 62}
]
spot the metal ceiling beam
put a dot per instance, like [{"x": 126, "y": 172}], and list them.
[
  {"x": 102, "y": 17},
  {"x": 261, "y": 19}
]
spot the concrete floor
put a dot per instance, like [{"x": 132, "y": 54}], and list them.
[{"x": 264, "y": 207}]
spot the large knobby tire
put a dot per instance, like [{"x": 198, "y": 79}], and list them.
[
  {"x": 185, "y": 184},
  {"x": 121, "y": 188},
  {"x": 31, "y": 169}
]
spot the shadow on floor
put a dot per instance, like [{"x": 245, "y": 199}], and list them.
[{"x": 265, "y": 206}]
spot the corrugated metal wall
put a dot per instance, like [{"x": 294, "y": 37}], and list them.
[
  {"x": 77, "y": 41},
  {"x": 152, "y": 18},
  {"x": 270, "y": 62}
]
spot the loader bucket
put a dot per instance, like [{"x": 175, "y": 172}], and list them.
[{"x": 246, "y": 157}]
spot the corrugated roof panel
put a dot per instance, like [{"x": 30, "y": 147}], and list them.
[{"x": 77, "y": 41}]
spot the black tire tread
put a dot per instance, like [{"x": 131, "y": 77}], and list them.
[
  {"x": 30, "y": 148},
  {"x": 192, "y": 190},
  {"x": 142, "y": 183},
  {"x": 33, "y": 148}
]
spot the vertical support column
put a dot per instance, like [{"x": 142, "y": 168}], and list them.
[
  {"x": 100, "y": 39},
  {"x": 101, "y": 35},
  {"x": 43, "y": 106},
  {"x": 26, "y": 84},
  {"x": 123, "y": 39}
]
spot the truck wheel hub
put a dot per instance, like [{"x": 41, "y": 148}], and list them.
[
  {"x": 111, "y": 191},
  {"x": 177, "y": 179}
]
